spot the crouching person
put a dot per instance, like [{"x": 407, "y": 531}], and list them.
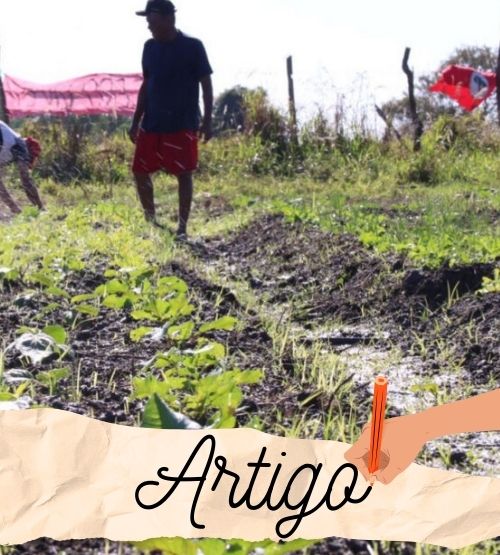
[{"x": 23, "y": 152}]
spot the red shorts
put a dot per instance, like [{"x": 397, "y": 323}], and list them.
[{"x": 175, "y": 153}]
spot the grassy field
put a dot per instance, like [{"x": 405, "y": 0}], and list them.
[{"x": 300, "y": 283}]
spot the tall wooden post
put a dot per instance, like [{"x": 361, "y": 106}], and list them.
[
  {"x": 417, "y": 124},
  {"x": 4, "y": 115},
  {"x": 291, "y": 100}
]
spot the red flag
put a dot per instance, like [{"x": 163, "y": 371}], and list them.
[{"x": 465, "y": 85}]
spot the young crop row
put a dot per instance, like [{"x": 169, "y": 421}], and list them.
[
  {"x": 433, "y": 232},
  {"x": 188, "y": 383}
]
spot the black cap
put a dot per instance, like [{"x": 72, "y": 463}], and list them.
[{"x": 165, "y": 7}]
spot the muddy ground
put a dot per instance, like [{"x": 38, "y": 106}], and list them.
[
  {"x": 325, "y": 282},
  {"x": 326, "y": 278}
]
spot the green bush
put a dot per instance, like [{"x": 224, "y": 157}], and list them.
[
  {"x": 454, "y": 148},
  {"x": 80, "y": 148}
]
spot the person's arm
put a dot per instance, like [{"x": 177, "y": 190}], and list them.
[
  {"x": 476, "y": 414},
  {"x": 28, "y": 184},
  {"x": 208, "y": 102},
  {"x": 139, "y": 112},
  {"x": 403, "y": 437}
]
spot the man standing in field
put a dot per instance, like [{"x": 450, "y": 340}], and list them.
[
  {"x": 166, "y": 123},
  {"x": 22, "y": 152}
]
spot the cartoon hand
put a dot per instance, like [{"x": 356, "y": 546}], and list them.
[{"x": 402, "y": 441}]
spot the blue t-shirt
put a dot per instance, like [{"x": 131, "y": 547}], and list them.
[{"x": 173, "y": 71}]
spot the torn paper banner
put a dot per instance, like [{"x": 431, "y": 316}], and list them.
[{"x": 66, "y": 476}]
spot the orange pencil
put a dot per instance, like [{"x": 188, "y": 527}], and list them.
[{"x": 378, "y": 412}]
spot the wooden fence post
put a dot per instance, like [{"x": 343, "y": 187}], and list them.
[
  {"x": 4, "y": 114},
  {"x": 291, "y": 100}
]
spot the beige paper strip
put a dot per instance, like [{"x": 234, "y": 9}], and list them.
[{"x": 70, "y": 477}]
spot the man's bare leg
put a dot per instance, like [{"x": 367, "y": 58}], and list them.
[
  {"x": 29, "y": 186},
  {"x": 144, "y": 186},
  {"x": 9, "y": 201},
  {"x": 185, "y": 199}
]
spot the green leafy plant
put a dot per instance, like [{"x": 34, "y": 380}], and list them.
[
  {"x": 37, "y": 346},
  {"x": 157, "y": 414},
  {"x": 491, "y": 285},
  {"x": 51, "y": 378},
  {"x": 8, "y": 274},
  {"x": 181, "y": 546}
]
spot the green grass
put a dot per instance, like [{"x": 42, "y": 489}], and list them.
[{"x": 454, "y": 223}]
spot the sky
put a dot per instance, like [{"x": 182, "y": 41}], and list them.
[{"x": 349, "y": 48}]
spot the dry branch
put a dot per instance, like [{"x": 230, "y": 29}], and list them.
[{"x": 386, "y": 120}]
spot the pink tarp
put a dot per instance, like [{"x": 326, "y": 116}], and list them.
[{"x": 99, "y": 93}]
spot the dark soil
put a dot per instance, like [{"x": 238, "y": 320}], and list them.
[
  {"x": 327, "y": 278},
  {"x": 102, "y": 344}
]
